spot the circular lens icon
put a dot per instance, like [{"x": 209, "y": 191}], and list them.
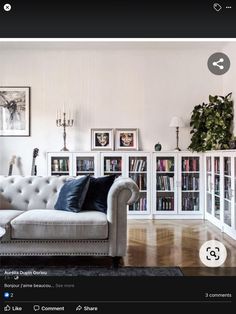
[
  {"x": 218, "y": 63},
  {"x": 7, "y": 7},
  {"x": 213, "y": 253}
]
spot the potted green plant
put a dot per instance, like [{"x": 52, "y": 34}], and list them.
[{"x": 211, "y": 124}]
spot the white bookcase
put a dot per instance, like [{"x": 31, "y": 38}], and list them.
[
  {"x": 72, "y": 164},
  {"x": 191, "y": 184},
  {"x": 173, "y": 185},
  {"x": 164, "y": 184},
  {"x": 136, "y": 165},
  {"x": 177, "y": 185},
  {"x": 220, "y": 196}
]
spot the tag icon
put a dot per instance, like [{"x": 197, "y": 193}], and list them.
[{"x": 217, "y": 7}]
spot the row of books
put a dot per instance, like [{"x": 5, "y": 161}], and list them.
[
  {"x": 141, "y": 205},
  {"x": 217, "y": 165},
  {"x": 59, "y": 165},
  {"x": 190, "y": 203},
  {"x": 165, "y": 164},
  {"x": 112, "y": 164},
  {"x": 137, "y": 164},
  {"x": 217, "y": 207},
  {"x": 227, "y": 166},
  {"x": 165, "y": 203},
  {"x": 165, "y": 183},
  {"x": 140, "y": 179},
  {"x": 227, "y": 188},
  {"x": 208, "y": 164},
  {"x": 190, "y": 183},
  {"x": 85, "y": 165},
  {"x": 217, "y": 185},
  {"x": 190, "y": 164}
]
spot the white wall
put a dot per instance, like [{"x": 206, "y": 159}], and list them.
[
  {"x": 229, "y": 79},
  {"x": 106, "y": 85}
]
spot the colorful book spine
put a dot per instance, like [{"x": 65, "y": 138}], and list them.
[{"x": 165, "y": 203}]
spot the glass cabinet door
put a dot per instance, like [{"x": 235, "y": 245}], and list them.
[
  {"x": 227, "y": 192},
  {"x": 60, "y": 165},
  {"x": 165, "y": 184},
  {"x": 217, "y": 181},
  {"x": 138, "y": 172},
  {"x": 85, "y": 165},
  {"x": 112, "y": 165},
  {"x": 209, "y": 185},
  {"x": 190, "y": 183},
  {"x": 234, "y": 183}
]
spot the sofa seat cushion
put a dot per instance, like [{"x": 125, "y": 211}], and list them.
[
  {"x": 6, "y": 215},
  {"x": 50, "y": 224}
]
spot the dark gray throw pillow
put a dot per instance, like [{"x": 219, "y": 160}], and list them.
[
  {"x": 72, "y": 194},
  {"x": 96, "y": 198}
]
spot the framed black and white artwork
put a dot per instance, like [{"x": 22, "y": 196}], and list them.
[
  {"x": 102, "y": 139},
  {"x": 14, "y": 111}
]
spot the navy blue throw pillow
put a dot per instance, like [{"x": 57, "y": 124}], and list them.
[
  {"x": 96, "y": 198},
  {"x": 72, "y": 194}
]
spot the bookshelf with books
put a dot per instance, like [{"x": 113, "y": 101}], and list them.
[
  {"x": 228, "y": 199},
  {"x": 171, "y": 183},
  {"x": 112, "y": 164},
  {"x": 213, "y": 188},
  {"x": 228, "y": 204},
  {"x": 177, "y": 185},
  {"x": 139, "y": 170},
  {"x": 59, "y": 164},
  {"x": 190, "y": 184},
  {"x": 209, "y": 185},
  {"x": 85, "y": 163},
  {"x": 217, "y": 186},
  {"x": 223, "y": 174},
  {"x": 165, "y": 196}
]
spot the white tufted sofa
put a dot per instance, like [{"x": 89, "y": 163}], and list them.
[{"x": 34, "y": 227}]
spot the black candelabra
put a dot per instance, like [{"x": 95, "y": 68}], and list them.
[{"x": 65, "y": 123}]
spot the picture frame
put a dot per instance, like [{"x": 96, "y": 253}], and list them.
[
  {"x": 14, "y": 111},
  {"x": 102, "y": 139},
  {"x": 126, "y": 139}
]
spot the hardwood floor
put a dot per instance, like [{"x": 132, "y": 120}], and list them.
[
  {"x": 176, "y": 243},
  {"x": 155, "y": 243}
]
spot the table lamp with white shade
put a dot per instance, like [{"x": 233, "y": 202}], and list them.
[{"x": 177, "y": 123}]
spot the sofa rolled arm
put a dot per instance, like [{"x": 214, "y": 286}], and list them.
[
  {"x": 122, "y": 183},
  {"x": 119, "y": 185},
  {"x": 123, "y": 192}
]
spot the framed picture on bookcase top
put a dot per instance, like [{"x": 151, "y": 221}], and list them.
[
  {"x": 126, "y": 139},
  {"x": 102, "y": 139},
  {"x": 14, "y": 111}
]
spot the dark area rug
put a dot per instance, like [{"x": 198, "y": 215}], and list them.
[{"x": 72, "y": 266}]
